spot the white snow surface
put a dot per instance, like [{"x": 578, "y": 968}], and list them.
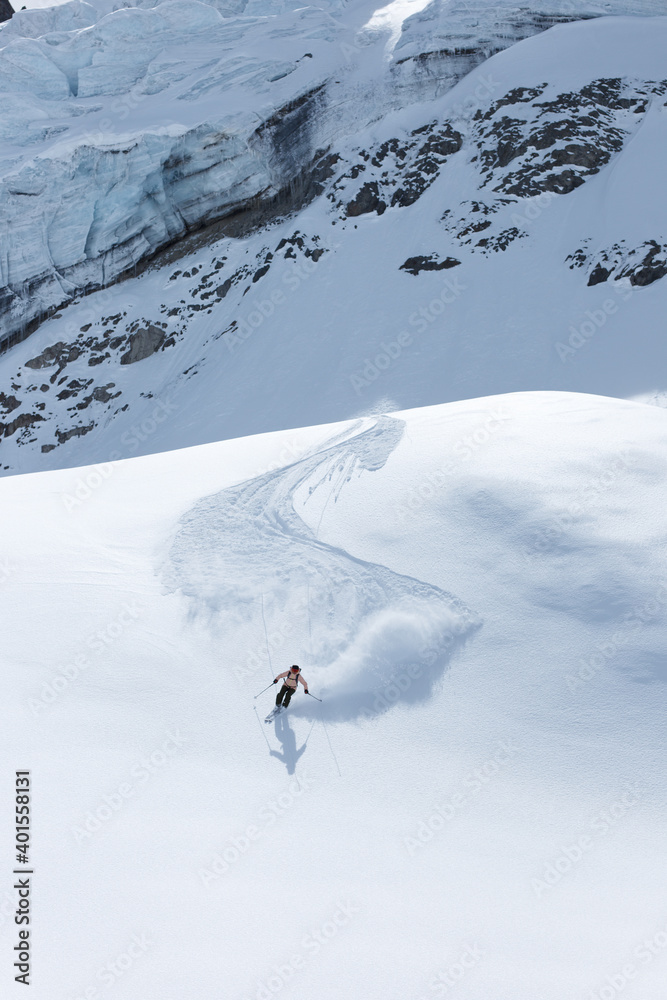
[
  {"x": 477, "y": 593},
  {"x": 416, "y": 485}
]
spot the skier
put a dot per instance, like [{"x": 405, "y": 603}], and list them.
[{"x": 292, "y": 678}]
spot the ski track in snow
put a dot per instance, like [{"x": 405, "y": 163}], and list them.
[{"x": 245, "y": 553}]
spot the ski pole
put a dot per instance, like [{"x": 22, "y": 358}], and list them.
[
  {"x": 264, "y": 689},
  {"x": 314, "y": 696}
]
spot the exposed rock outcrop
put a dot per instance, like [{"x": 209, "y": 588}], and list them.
[
  {"x": 143, "y": 343},
  {"x": 641, "y": 265},
  {"x": 414, "y": 265}
]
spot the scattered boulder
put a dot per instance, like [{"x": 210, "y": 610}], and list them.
[
  {"x": 74, "y": 432},
  {"x": 413, "y": 265},
  {"x": 367, "y": 200},
  {"x": 648, "y": 270},
  {"x": 143, "y": 343},
  {"x": 8, "y": 403},
  {"x": 57, "y": 354},
  {"x": 598, "y": 274},
  {"x": 23, "y": 420}
]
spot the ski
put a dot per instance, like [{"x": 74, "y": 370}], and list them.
[{"x": 273, "y": 713}]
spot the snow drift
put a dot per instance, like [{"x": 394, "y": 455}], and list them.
[{"x": 507, "y": 807}]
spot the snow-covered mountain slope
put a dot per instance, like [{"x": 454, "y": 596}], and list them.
[
  {"x": 125, "y": 129},
  {"x": 476, "y": 808},
  {"x": 509, "y": 235}
]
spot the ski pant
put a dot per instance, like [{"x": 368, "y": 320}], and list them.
[{"x": 284, "y": 695}]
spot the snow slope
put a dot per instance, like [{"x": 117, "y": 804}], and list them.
[
  {"x": 509, "y": 235},
  {"x": 477, "y": 807}
]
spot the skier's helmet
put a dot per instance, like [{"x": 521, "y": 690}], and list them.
[{"x": 296, "y": 669}]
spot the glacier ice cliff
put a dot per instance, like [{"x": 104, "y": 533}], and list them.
[{"x": 125, "y": 129}]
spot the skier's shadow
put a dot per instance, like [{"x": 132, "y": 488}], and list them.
[{"x": 289, "y": 755}]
